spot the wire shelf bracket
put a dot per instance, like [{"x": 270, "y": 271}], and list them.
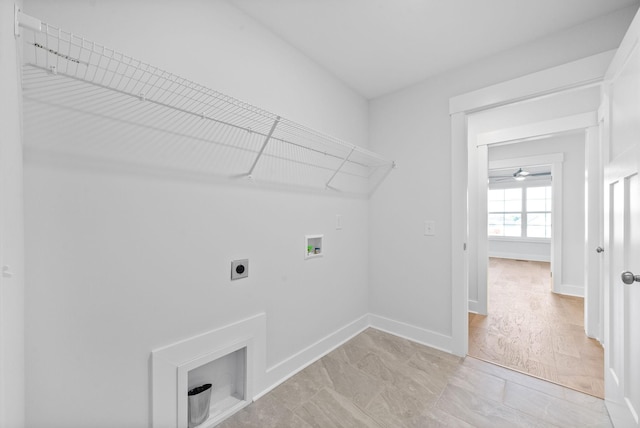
[
  {"x": 339, "y": 168},
  {"x": 266, "y": 140},
  {"x": 201, "y": 128}
]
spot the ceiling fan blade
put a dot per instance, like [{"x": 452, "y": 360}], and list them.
[{"x": 520, "y": 174}]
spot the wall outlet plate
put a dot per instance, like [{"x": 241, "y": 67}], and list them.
[{"x": 239, "y": 269}]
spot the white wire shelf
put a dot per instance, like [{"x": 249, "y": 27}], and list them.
[{"x": 75, "y": 90}]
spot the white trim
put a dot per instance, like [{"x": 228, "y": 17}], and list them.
[
  {"x": 556, "y": 224},
  {"x": 540, "y": 129},
  {"x": 459, "y": 236},
  {"x": 287, "y": 368},
  {"x": 512, "y": 256},
  {"x": 569, "y": 290},
  {"x": 473, "y": 306},
  {"x": 183, "y": 383},
  {"x": 166, "y": 362},
  {"x": 411, "y": 332},
  {"x": 593, "y": 322},
  {"x": 547, "y": 159},
  {"x": 283, "y": 370},
  {"x": 519, "y": 239},
  {"x": 624, "y": 51},
  {"x": 478, "y": 210},
  {"x": 170, "y": 363},
  {"x": 582, "y": 72}
]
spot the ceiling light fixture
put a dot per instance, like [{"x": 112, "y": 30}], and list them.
[{"x": 520, "y": 174}]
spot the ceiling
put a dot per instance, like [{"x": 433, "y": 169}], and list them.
[{"x": 379, "y": 46}]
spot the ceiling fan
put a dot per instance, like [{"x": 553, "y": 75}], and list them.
[{"x": 519, "y": 175}]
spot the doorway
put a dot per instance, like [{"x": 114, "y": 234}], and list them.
[
  {"x": 568, "y": 108},
  {"x": 535, "y": 331},
  {"x": 534, "y": 323},
  {"x": 565, "y": 78}
]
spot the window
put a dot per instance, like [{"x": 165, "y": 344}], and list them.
[
  {"x": 538, "y": 212},
  {"x": 520, "y": 212},
  {"x": 505, "y": 212}
]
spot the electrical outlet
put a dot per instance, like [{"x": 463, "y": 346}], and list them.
[{"x": 239, "y": 269}]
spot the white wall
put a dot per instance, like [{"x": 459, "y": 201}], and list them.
[
  {"x": 572, "y": 146},
  {"x": 409, "y": 272},
  {"x": 12, "y": 390},
  {"x": 123, "y": 262}
]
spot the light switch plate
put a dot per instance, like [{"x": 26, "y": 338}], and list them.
[
  {"x": 239, "y": 269},
  {"x": 429, "y": 228}
]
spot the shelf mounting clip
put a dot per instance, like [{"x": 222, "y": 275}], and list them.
[{"x": 21, "y": 19}]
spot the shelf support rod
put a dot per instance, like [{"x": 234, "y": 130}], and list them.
[
  {"x": 340, "y": 167},
  {"x": 266, "y": 140}
]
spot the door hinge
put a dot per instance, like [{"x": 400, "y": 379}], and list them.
[{"x": 6, "y": 272}]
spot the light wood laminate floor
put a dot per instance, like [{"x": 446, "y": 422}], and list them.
[
  {"x": 535, "y": 331},
  {"x": 380, "y": 380}
]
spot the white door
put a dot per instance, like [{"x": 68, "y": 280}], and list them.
[{"x": 621, "y": 114}]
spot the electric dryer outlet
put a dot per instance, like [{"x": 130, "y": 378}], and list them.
[{"x": 239, "y": 269}]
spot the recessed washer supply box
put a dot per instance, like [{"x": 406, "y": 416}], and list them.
[{"x": 313, "y": 246}]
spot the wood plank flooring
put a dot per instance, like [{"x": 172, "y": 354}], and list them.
[
  {"x": 535, "y": 331},
  {"x": 379, "y": 380}
]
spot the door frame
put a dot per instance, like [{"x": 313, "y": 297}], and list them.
[
  {"x": 478, "y": 147},
  {"x": 574, "y": 75}
]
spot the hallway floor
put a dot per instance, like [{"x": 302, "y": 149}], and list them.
[
  {"x": 380, "y": 380},
  {"x": 532, "y": 330}
]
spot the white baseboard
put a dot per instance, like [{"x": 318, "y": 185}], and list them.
[
  {"x": 412, "y": 332},
  {"x": 569, "y": 290},
  {"x": 282, "y": 371},
  {"x": 512, "y": 256}
]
